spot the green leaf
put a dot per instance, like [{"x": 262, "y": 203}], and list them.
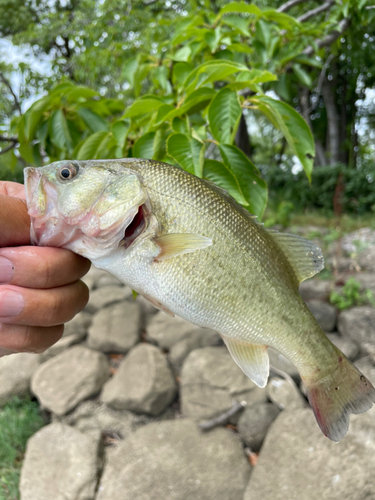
[
  {"x": 120, "y": 130},
  {"x": 93, "y": 147},
  {"x": 60, "y": 135},
  {"x": 189, "y": 153},
  {"x": 180, "y": 126},
  {"x": 161, "y": 77},
  {"x": 302, "y": 75},
  {"x": 213, "y": 71},
  {"x": 252, "y": 77},
  {"x": 80, "y": 93},
  {"x": 293, "y": 126},
  {"x": 129, "y": 69},
  {"x": 149, "y": 146},
  {"x": 240, "y": 24},
  {"x": 240, "y": 47},
  {"x": 93, "y": 121},
  {"x": 182, "y": 54},
  {"x": 309, "y": 61},
  {"x": 242, "y": 7},
  {"x": 283, "y": 20},
  {"x": 181, "y": 71},
  {"x": 220, "y": 174},
  {"x": 224, "y": 115},
  {"x": 252, "y": 187},
  {"x": 32, "y": 117},
  {"x": 163, "y": 113},
  {"x": 146, "y": 104}
]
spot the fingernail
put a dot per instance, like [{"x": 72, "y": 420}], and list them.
[
  {"x": 6, "y": 270},
  {"x": 11, "y": 303}
]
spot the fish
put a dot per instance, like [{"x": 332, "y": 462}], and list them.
[{"x": 189, "y": 248}]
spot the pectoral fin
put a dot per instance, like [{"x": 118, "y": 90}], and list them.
[
  {"x": 252, "y": 359},
  {"x": 176, "y": 244}
]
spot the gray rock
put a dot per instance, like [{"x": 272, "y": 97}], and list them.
[
  {"x": 165, "y": 330},
  {"x": 173, "y": 460},
  {"x": 315, "y": 289},
  {"x": 95, "y": 416},
  {"x": 282, "y": 363},
  {"x": 324, "y": 314},
  {"x": 347, "y": 346},
  {"x": 297, "y": 462},
  {"x": 200, "y": 337},
  {"x": 366, "y": 259},
  {"x": 16, "y": 371},
  {"x": 284, "y": 395},
  {"x": 79, "y": 325},
  {"x": 211, "y": 380},
  {"x": 366, "y": 280},
  {"x": 367, "y": 366},
  {"x": 70, "y": 377},
  {"x": 358, "y": 324},
  {"x": 60, "y": 463},
  {"x": 107, "y": 280},
  {"x": 60, "y": 346},
  {"x": 147, "y": 308},
  {"x": 254, "y": 423},
  {"x": 359, "y": 240},
  {"x": 103, "y": 297},
  {"x": 116, "y": 328},
  {"x": 144, "y": 382}
]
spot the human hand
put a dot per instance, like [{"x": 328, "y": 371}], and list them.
[{"x": 39, "y": 286}]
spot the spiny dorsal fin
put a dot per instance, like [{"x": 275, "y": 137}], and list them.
[
  {"x": 252, "y": 359},
  {"x": 305, "y": 257},
  {"x": 176, "y": 244}
]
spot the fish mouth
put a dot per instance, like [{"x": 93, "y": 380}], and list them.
[{"x": 136, "y": 228}]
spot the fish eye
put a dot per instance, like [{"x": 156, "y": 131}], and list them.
[{"x": 67, "y": 172}]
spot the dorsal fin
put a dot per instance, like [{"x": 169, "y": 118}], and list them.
[{"x": 304, "y": 256}]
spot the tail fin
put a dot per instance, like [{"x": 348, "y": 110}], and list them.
[{"x": 335, "y": 396}]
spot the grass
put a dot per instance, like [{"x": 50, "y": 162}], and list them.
[
  {"x": 19, "y": 419},
  {"x": 345, "y": 224}
]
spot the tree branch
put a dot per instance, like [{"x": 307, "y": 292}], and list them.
[
  {"x": 315, "y": 12},
  {"x": 288, "y": 5},
  {"x": 330, "y": 38},
  {"x": 11, "y": 146},
  {"x": 3, "y": 138},
  {"x": 8, "y": 85}
]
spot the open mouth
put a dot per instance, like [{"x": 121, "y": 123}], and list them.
[{"x": 135, "y": 228}]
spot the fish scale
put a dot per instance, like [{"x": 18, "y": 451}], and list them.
[{"x": 191, "y": 250}]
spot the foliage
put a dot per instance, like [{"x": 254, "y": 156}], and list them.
[
  {"x": 351, "y": 295},
  {"x": 19, "y": 419},
  {"x": 282, "y": 215},
  {"x": 185, "y": 101},
  {"x": 358, "y": 196},
  {"x": 172, "y": 82}
]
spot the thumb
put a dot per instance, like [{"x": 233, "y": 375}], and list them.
[{"x": 14, "y": 222}]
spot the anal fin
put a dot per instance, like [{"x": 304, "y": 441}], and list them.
[{"x": 252, "y": 359}]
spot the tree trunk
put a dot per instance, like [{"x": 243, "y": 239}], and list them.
[
  {"x": 343, "y": 153},
  {"x": 320, "y": 157},
  {"x": 332, "y": 119},
  {"x": 242, "y": 139}
]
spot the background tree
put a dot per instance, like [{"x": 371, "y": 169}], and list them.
[{"x": 182, "y": 82}]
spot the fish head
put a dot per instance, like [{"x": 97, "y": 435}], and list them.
[{"x": 90, "y": 207}]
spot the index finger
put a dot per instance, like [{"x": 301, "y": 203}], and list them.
[
  {"x": 14, "y": 221},
  {"x": 12, "y": 189}
]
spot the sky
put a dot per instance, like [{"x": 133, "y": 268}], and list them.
[{"x": 14, "y": 55}]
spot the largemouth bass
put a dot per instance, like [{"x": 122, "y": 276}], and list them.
[{"x": 189, "y": 248}]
